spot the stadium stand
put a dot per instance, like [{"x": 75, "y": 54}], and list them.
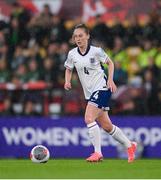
[{"x": 33, "y": 48}]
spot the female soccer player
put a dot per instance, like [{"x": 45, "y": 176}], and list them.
[{"x": 97, "y": 89}]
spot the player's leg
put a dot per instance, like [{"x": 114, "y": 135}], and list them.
[
  {"x": 117, "y": 134},
  {"x": 91, "y": 114},
  {"x": 113, "y": 130}
]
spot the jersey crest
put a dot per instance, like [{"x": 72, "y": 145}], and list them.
[{"x": 92, "y": 60}]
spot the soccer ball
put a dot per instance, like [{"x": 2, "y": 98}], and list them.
[{"x": 39, "y": 154}]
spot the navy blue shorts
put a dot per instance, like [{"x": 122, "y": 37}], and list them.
[{"x": 101, "y": 99}]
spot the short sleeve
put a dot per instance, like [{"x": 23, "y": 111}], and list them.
[
  {"x": 102, "y": 56},
  {"x": 69, "y": 62}
]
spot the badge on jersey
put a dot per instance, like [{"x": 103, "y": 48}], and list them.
[{"x": 92, "y": 60}]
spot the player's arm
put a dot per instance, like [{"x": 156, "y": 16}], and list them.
[
  {"x": 110, "y": 83},
  {"x": 103, "y": 57},
  {"x": 69, "y": 65},
  {"x": 68, "y": 77}
]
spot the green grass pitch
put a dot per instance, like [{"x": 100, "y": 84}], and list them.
[{"x": 80, "y": 169}]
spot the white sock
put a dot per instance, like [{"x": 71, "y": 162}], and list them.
[
  {"x": 95, "y": 136},
  {"x": 119, "y": 136}
]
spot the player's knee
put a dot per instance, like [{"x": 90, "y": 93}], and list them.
[{"x": 89, "y": 119}]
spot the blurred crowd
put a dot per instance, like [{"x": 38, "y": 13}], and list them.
[{"x": 33, "y": 48}]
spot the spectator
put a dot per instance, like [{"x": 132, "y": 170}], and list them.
[
  {"x": 100, "y": 32},
  {"x": 48, "y": 74},
  {"x": 120, "y": 75},
  {"x": 53, "y": 53},
  {"x": 4, "y": 73},
  {"x": 152, "y": 91},
  {"x": 119, "y": 54},
  {"x": 58, "y": 32},
  {"x": 19, "y": 75},
  {"x": 33, "y": 74},
  {"x": 15, "y": 36},
  {"x": 21, "y": 14},
  {"x": 18, "y": 58},
  {"x": 64, "y": 48},
  {"x": 153, "y": 68},
  {"x": 6, "y": 107},
  {"x": 29, "y": 109},
  {"x": 3, "y": 46},
  {"x": 148, "y": 51},
  {"x": 117, "y": 30},
  {"x": 133, "y": 32},
  {"x": 39, "y": 25}
]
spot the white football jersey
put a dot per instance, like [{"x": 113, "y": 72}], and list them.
[{"x": 89, "y": 69}]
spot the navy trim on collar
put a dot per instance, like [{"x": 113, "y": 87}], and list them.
[{"x": 87, "y": 50}]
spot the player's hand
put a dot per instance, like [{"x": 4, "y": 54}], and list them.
[
  {"x": 111, "y": 85},
  {"x": 67, "y": 86}
]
